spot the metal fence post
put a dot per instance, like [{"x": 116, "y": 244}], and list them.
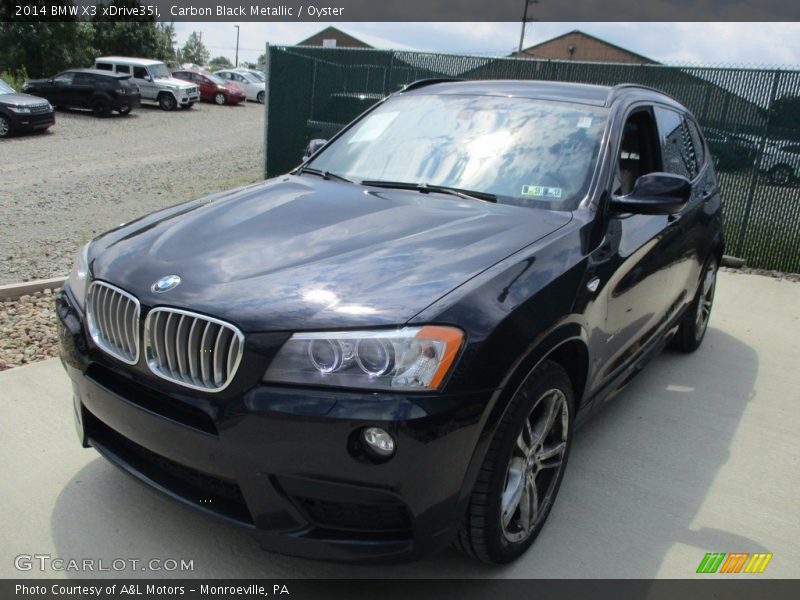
[
  {"x": 751, "y": 191},
  {"x": 268, "y": 63}
]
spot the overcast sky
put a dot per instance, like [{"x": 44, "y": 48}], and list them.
[{"x": 729, "y": 43}]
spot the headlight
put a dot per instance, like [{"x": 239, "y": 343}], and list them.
[
  {"x": 409, "y": 359},
  {"x": 221, "y": 88},
  {"x": 79, "y": 276},
  {"x": 21, "y": 110}
]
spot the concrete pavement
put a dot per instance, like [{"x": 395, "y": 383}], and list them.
[{"x": 699, "y": 454}]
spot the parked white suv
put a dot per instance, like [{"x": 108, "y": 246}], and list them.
[{"x": 154, "y": 79}]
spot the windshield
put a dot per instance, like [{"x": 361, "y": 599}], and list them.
[
  {"x": 250, "y": 77},
  {"x": 215, "y": 79},
  {"x": 5, "y": 88},
  {"x": 526, "y": 152},
  {"x": 257, "y": 76},
  {"x": 159, "y": 71}
]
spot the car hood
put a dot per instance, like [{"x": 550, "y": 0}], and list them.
[
  {"x": 21, "y": 100},
  {"x": 171, "y": 82},
  {"x": 305, "y": 253}
]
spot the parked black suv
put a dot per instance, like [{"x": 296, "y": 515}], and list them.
[
  {"x": 388, "y": 349},
  {"x": 101, "y": 91},
  {"x": 23, "y": 112}
]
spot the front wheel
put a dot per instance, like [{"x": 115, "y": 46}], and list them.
[
  {"x": 5, "y": 127},
  {"x": 219, "y": 98},
  {"x": 167, "y": 102},
  {"x": 125, "y": 110},
  {"x": 694, "y": 323},
  {"x": 522, "y": 471}
]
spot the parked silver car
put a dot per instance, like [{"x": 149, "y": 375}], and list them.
[
  {"x": 253, "y": 87},
  {"x": 781, "y": 163}
]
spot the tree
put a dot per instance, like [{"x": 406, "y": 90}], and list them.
[
  {"x": 137, "y": 36},
  {"x": 194, "y": 51},
  {"x": 219, "y": 62},
  {"x": 45, "y": 48}
]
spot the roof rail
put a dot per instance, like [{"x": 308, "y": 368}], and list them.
[
  {"x": 622, "y": 86},
  {"x": 430, "y": 81}
]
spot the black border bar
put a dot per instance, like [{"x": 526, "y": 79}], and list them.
[
  {"x": 324, "y": 11},
  {"x": 704, "y": 587}
]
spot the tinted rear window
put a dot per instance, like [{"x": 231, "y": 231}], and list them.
[{"x": 104, "y": 66}]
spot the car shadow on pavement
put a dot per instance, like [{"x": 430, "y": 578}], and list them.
[{"x": 633, "y": 503}]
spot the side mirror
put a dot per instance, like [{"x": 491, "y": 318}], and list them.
[
  {"x": 313, "y": 147},
  {"x": 655, "y": 194},
  {"x": 148, "y": 78}
]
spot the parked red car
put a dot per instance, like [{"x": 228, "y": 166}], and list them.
[{"x": 212, "y": 88}]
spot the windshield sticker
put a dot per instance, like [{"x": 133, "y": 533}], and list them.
[
  {"x": 372, "y": 127},
  {"x": 584, "y": 122},
  {"x": 538, "y": 191}
]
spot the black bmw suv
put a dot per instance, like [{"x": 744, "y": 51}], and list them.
[
  {"x": 100, "y": 91},
  {"x": 388, "y": 350},
  {"x": 23, "y": 112}
]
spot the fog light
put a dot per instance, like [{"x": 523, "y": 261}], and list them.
[{"x": 378, "y": 441}]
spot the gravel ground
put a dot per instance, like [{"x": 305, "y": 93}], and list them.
[
  {"x": 27, "y": 329},
  {"x": 85, "y": 175}
]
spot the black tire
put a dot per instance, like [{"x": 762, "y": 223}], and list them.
[
  {"x": 167, "y": 101},
  {"x": 261, "y": 97},
  {"x": 781, "y": 175},
  {"x": 692, "y": 328},
  {"x": 101, "y": 109},
  {"x": 6, "y": 127},
  {"x": 485, "y": 534},
  {"x": 219, "y": 98}
]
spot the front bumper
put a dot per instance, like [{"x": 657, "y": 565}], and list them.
[
  {"x": 33, "y": 121},
  {"x": 281, "y": 462}
]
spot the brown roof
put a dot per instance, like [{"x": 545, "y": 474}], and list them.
[
  {"x": 577, "y": 45},
  {"x": 343, "y": 40}
]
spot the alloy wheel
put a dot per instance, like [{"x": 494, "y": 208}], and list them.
[
  {"x": 705, "y": 301},
  {"x": 260, "y": 97},
  {"x": 219, "y": 99},
  {"x": 536, "y": 461},
  {"x": 5, "y": 127}
]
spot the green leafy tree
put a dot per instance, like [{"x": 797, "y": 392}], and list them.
[
  {"x": 219, "y": 62},
  {"x": 45, "y": 48},
  {"x": 194, "y": 51},
  {"x": 138, "y": 36}
]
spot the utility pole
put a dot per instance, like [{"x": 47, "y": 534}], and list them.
[
  {"x": 237, "y": 46},
  {"x": 524, "y": 22}
]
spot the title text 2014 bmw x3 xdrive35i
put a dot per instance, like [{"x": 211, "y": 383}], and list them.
[{"x": 388, "y": 349}]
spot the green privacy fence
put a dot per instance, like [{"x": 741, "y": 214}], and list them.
[{"x": 751, "y": 119}]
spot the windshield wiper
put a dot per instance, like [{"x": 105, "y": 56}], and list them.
[
  {"x": 426, "y": 188},
  {"x": 323, "y": 174}
]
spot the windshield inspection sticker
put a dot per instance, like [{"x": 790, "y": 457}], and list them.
[
  {"x": 584, "y": 122},
  {"x": 538, "y": 191}
]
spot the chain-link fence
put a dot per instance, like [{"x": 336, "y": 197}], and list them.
[{"x": 751, "y": 120}]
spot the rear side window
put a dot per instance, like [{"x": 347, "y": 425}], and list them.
[
  {"x": 123, "y": 69},
  {"x": 104, "y": 66},
  {"x": 139, "y": 72},
  {"x": 83, "y": 79},
  {"x": 679, "y": 153}
]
